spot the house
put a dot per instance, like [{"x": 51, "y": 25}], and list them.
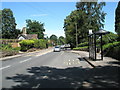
[{"x": 24, "y": 35}]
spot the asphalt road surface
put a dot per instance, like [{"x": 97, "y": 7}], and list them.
[{"x": 48, "y": 70}]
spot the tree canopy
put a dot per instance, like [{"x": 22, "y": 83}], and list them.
[
  {"x": 35, "y": 27},
  {"x": 88, "y": 15},
  {"x": 8, "y": 23},
  {"x": 117, "y": 19},
  {"x": 53, "y": 38},
  {"x": 61, "y": 40}
]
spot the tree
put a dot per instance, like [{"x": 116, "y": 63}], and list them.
[
  {"x": 117, "y": 20},
  {"x": 61, "y": 40},
  {"x": 8, "y": 25},
  {"x": 89, "y": 15},
  {"x": 35, "y": 27},
  {"x": 53, "y": 38},
  {"x": 0, "y": 24}
]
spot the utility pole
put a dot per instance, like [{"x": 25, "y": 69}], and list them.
[{"x": 76, "y": 35}]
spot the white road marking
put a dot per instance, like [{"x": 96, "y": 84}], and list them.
[
  {"x": 5, "y": 67},
  {"x": 62, "y": 53},
  {"x": 40, "y": 54},
  {"x": 25, "y": 60}
]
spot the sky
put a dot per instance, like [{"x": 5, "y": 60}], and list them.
[{"x": 52, "y": 14}]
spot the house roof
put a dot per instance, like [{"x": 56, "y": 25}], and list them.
[
  {"x": 32, "y": 36},
  {"x": 29, "y": 36}
]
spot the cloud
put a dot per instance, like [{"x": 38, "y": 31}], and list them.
[{"x": 38, "y": 15}]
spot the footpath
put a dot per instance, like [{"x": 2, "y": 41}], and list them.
[
  {"x": 42, "y": 51},
  {"x": 107, "y": 61}
]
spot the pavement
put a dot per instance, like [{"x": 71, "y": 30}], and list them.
[{"x": 107, "y": 61}]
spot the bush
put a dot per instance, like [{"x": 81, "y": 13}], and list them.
[
  {"x": 26, "y": 44},
  {"x": 112, "y": 50},
  {"x": 41, "y": 43},
  {"x": 7, "y": 50},
  {"x": 85, "y": 48},
  {"x": 110, "y": 45},
  {"x": 83, "y": 44},
  {"x": 109, "y": 38}
]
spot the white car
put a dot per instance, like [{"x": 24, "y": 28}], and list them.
[{"x": 56, "y": 49}]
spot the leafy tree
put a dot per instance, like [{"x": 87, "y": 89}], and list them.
[
  {"x": 61, "y": 40},
  {"x": 0, "y": 23},
  {"x": 53, "y": 38},
  {"x": 35, "y": 27},
  {"x": 8, "y": 25},
  {"x": 117, "y": 19},
  {"x": 89, "y": 15}
]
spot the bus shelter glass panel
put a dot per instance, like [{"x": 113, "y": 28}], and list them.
[{"x": 92, "y": 46}]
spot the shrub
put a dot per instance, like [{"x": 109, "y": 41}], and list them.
[
  {"x": 112, "y": 50},
  {"x": 83, "y": 44},
  {"x": 40, "y": 43},
  {"x": 43, "y": 43},
  {"x": 109, "y": 38},
  {"x": 26, "y": 44},
  {"x": 7, "y": 50},
  {"x": 85, "y": 48},
  {"x": 110, "y": 45}
]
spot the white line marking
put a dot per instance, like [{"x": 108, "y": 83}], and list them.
[
  {"x": 62, "y": 53},
  {"x": 5, "y": 67},
  {"x": 25, "y": 60},
  {"x": 40, "y": 54}
]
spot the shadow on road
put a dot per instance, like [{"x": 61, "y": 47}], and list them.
[{"x": 76, "y": 77}]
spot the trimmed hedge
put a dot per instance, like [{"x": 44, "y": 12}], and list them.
[
  {"x": 110, "y": 45},
  {"x": 28, "y": 44},
  {"x": 41, "y": 43},
  {"x": 112, "y": 50},
  {"x": 85, "y": 48},
  {"x": 83, "y": 44}
]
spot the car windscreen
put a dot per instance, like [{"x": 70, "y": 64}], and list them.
[{"x": 56, "y": 47}]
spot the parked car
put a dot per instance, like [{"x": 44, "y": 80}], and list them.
[
  {"x": 56, "y": 49},
  {"x": 62, "y": 47}
]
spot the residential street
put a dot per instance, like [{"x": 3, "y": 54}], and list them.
[{"x": 63, "y": 69}]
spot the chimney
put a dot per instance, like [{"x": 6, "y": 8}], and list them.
[{"x": 24, "y": 31}]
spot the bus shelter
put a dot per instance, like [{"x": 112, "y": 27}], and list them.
[{"x": 95, "y": 48}]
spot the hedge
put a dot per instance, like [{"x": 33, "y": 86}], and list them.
[
  {"x": 28, "y": 44},
  {"x": 85, "y": 48},
  {"x": 83, "y": 44},
  {"x": 41, "y": 43},
  {"x": 112, "y": 50}
]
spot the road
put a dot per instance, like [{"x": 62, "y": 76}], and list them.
[
  {"x": 20, "y": 65},
  {"x": 45, "y": 69}
]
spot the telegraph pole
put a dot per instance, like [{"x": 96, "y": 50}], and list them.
[{"x": 76, "y": 35}]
